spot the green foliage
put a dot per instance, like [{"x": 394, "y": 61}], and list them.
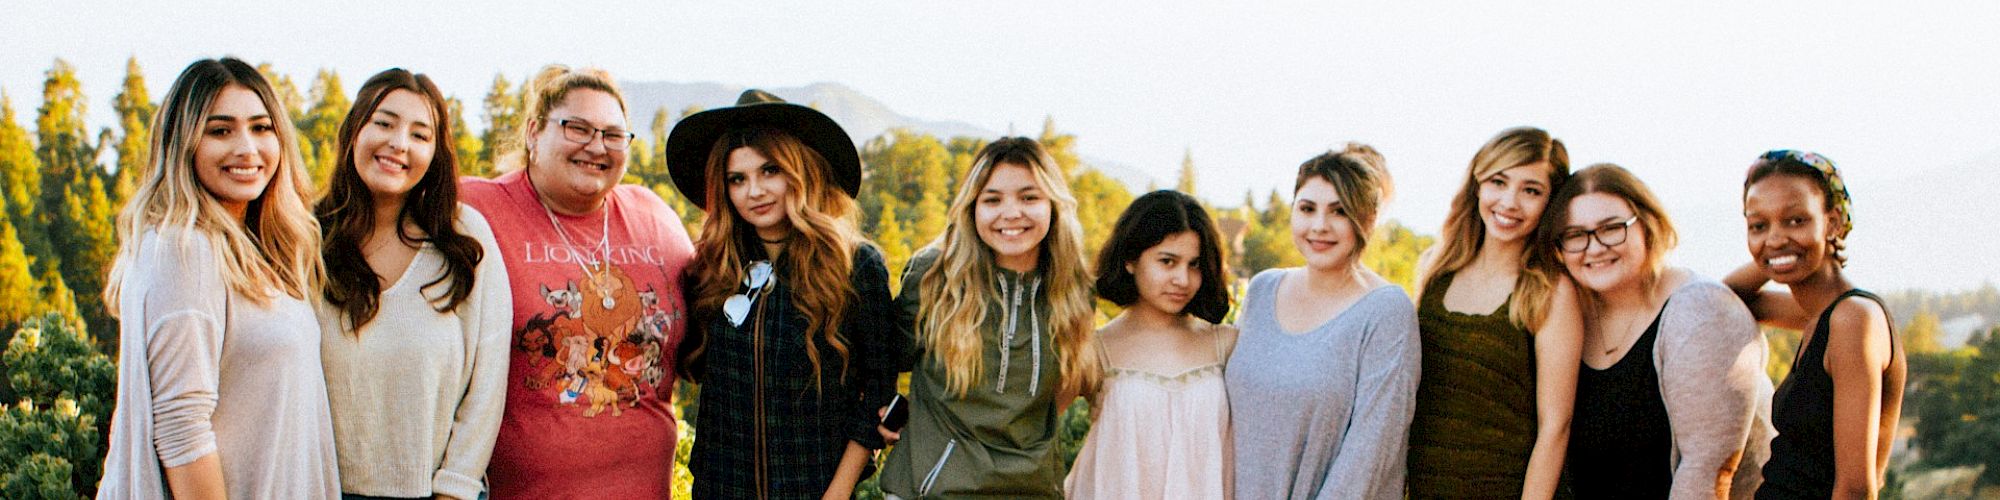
[
  {"x": 502, "y": 109},
  {"x": 1186, "y": 182},
  {"x": 1071, "y": 429},
  {"x": 58, "y": 447},
  {"x": 1923, "y": 334},
  {"x": 471, "y": 152},
  {"x": 1957, "y": 401},
  {"x": 85, "y": 229},
  {"x": 1393, "y": 251},
  {"x": 18, "y": 294},
  {"x": 1100, "y": 199},
  {"x": 287, "y": 91},
  {"x": 135, "y": 112},
  {"x": 21, "y": 182},
  {"x": 40, "y": 476},
  {"x": 319, "y": 127},
  {"x": 52, "y": 359}
]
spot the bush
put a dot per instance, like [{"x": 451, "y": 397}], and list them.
[
  {"x": 64, "y": 441},
  {"x": 40, "y": 476},
  {"x": 51, "y": 358},
  {"x": 56, "y": 432}
]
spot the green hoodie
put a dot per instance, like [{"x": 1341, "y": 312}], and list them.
[{"x": 999, "y": 440}]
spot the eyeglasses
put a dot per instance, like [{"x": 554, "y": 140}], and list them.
[
  {"x": 1577, "y": 240},
  {"x": 579, "y": 132}
]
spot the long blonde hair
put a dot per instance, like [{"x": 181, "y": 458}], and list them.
[
  {"x": 1464, "y": 234},
  {"x": 952, "y": 311},
  {"x": 818, "y": 257},
  {"x": 276, "y": 245}
]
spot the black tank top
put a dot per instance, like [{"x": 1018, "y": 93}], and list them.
[
  {"x": 1620, "y": 444},
  {"x": 1801, "y": 464}
]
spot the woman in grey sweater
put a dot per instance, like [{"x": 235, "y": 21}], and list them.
[
  {"x": 1672, "y": 400},
  {"x": 1324, "y": 375}
]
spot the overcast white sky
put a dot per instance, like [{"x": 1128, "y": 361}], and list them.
[{"x": 1683, "y": 94}]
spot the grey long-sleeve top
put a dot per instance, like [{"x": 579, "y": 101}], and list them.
[
  {"x": 203, "y": 370},
  {"x": 1323, "y": 413},
  {"x": 1711, "y": 357}
]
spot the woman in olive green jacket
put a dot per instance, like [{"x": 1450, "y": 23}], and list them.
[{"x": 998, "y": 314}]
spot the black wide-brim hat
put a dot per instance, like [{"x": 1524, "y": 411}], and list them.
[{"x": 692, "y": 139}]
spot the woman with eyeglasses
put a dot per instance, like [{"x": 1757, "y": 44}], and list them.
[
  {"x": 414, "y": 335},
  {"x": 1672, "y": 400},
  {"x": 595, "y": 270},
  {"x": 1836, "y": 411},
  {"x": 792, "y": 315}
]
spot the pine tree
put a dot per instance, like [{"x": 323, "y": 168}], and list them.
[
  {"x": 21, "y": 185},
  {"x": 135, "y": 112},
  {"x": 1186, "y": 182},
  {"x": 502, "y": 111},
  {"x": 896, "y": 247},
  {"x": 471, "y": 152},
  {"x": 319, "y": 131},
  {"x": 18, "y": 293},
  {"x": 89, "y": 241},
  {"x": 1061, "y": 146},
  {"x": 288, "y": 94}
]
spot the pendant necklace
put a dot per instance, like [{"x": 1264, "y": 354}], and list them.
[{"x": 598, "y": 277}]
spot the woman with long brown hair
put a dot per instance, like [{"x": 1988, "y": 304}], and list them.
[
  {"x": 414, "y": 335},
  {"x": 220, "y": 393},
  {"x": 790, "y": 331}
]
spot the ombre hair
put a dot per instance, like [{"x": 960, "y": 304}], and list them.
[
  {"x": 1360, "y": 177},
  {"x": 275, "y": 247},
  {"x": 347, "y": 211},
  {"x": 550, "y": 88},
  {"x": 957, "y": 291},
  {"x": 1615, "y": 181},
  {"x": 817, "y": 262},
  {"x": 1464, "y": 234}
]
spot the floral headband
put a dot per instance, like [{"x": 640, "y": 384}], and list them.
[{"x": 1835, "y": 187}]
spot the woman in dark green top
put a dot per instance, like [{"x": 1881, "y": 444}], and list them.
[
  {"x": 998, "y": 311},
  {"x": 1501, "y": 334}
]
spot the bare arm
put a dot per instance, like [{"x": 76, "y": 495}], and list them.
[
  {"x": 849, "y": 473},
  {"x": 1558, "y": 353},
  {"x": 1857, "y": 350},
  {"x": 200, "y": 479},
  {"x": 1770, "y": 307}
]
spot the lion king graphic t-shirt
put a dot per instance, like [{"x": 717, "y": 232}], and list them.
[{"x": 597, "y": 313}]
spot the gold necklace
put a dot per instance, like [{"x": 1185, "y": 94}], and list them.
[{"x": 598, "y": 277}]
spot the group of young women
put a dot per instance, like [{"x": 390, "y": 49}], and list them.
[{"x": 412, "y": 334}]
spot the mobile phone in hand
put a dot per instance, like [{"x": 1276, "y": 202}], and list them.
[{"x": 899, "y": 414}]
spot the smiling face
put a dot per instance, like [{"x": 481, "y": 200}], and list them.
[
  {"x": 1788, "y": 227},
  {"x": 571, "y": 173},
  {"x": 1321, "y": 227},
  {"x": 1599, "y": 267},
  {"x": 238, "y": 151},
  {"x": 758, "y": 190},
  {"x": 1511, "y": 201},
  {"x": 1012, "y": 216},
  {"x": 1168, "y": 274},
  {"x": 393, "y": 150}
]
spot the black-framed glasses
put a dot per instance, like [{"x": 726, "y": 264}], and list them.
[
  {"x": 1577, "y": 240},
  {"x": 581, "y": 132}
]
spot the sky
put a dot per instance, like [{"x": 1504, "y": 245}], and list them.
[{"x": 1684, "y": 94}]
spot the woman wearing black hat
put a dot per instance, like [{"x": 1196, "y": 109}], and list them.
[{"x": 791, "y": 308}]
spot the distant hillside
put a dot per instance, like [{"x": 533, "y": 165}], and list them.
[{"x": 862, "y": 116}]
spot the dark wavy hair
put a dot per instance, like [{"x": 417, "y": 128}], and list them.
[
  {"x": 1148, "y": 221},
  {"x": 347, "y": 211}
]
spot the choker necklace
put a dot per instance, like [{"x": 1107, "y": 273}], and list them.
[{"x": 596, "y": 272}]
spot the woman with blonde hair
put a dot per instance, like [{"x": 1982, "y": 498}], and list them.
[
  {"x": 999, "y": 311},
  {"x": 595, "y": 270},
  {"x": 1672, "y": 400},
  {"x": 1501, "y": 333},
  {"x": 1325, "y": 368},
  {"x": 220, "y": 392},
  {"x": 791, "y": 336},
  {"x": 417, "y": 305}
]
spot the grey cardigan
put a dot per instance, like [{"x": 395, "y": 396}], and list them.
[{"x": 1710, "y": 357}]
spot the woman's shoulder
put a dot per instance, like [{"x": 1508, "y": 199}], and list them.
[
  {"x": 1697, "y": 293},
  {"x": 473, "y": 223},
  {"x": 1268, "y": 278}
]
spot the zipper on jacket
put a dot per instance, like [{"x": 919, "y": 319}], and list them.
[
  {"x": 1013, "y": 311},
  {"x": 930, "y": 480},
  {"x": 1034, "y": 337}
]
